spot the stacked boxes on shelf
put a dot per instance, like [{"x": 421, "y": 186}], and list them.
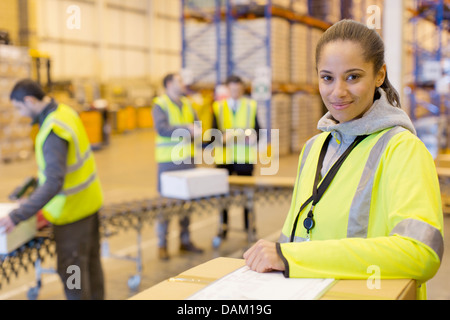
[
  {"x": 300, "y": 6},
  {"x": 202, "y": 4},
  {"x": 306, "y": 106},
  {"x": 286, "y": 46},
  {"x": 248, "y": 36},
  {"x": 280, "y": 120},
  {"x": 313, "y": 39},
  {"x": 15, "y": 130},
  {"x": 300, "y": 53},
  {"x": 201, "y": 55},
  {"x": 278, "y": 3},
  {"x": 306, "y": 112},
  {"x": 303, "y": 54},
  {"x": 326, "y": 10}
]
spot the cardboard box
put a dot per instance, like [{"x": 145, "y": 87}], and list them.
[
  {"x": 182, "y": 286},
  {"x": 22, "y": 233},
  {"x": 194, "y": 183}
]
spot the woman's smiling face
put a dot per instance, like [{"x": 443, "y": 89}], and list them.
[{"x": 347, "y": 82}]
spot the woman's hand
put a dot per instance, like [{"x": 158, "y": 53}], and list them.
[{"x": 263, "y": 257}]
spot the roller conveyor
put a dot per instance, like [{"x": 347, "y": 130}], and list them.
[{"x": 133, "y": 215}]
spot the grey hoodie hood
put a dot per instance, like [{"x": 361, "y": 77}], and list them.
[{"x": 380, "y": 116}]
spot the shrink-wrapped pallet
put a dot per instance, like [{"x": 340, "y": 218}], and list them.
[
  {"x": 15, "y": 138},
  {"x": 304, "y": 40},
  {"x": 280, "y": 120},
  {"x": 306, "y": 112},
  {"x": 250, "y": 49},
  {"x": 201, "y": 54}
]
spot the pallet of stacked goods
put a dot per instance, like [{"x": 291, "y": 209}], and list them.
[
  {"x": 303, "y": 49},
  {"x": 306, "y": 113},
  {"x": 300, "y": 6},
  {"x": 203, "y": 4},
  {"x": 252, "y": 45},
  {"x": 299, "y": 123},
  {"x": 15, "y": 130},
  {"x": 280, "y": 110},
  {"x": 250, "y": 50},
  {"x": 201, "y": 54},
  {"x": 313, "y": 39},
  {"x": 300, "y": 54},
  {"x": 278, "y": 3},
  {"x": 328, "y": 11},
  {"x": 203, "y": 35}
]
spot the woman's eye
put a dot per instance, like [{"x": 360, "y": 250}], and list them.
[
  {"x": 353, "y": 77},
  {"x": 326, "y": 78}
]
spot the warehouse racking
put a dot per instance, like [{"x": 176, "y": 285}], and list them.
[
  {"x": 251, "y": 39},
  {"x": 429, "y": 53},
  {"x": 15, "y": 130}
]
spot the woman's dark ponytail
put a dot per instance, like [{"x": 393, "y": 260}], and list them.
[{"x": 391, "y": 94}]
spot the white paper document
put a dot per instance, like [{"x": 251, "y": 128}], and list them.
[{"x": 245, "y": 284}]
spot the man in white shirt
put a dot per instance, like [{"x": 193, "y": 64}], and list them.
[{"x": 231, "y": 114}]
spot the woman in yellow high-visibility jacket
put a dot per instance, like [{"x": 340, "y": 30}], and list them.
[{"x": 382, "y": 205}]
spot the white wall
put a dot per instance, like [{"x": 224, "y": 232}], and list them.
[
  {"x": 116, "y": 40},
  {"x": 165, "y": 35}
]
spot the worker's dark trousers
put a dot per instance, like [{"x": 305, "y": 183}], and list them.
[
  {"x": 162, "y": 224},
  {"x": 245, "y": 169},
  {"x": 78, "y": 259}
]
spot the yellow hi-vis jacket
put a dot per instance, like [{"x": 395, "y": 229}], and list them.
[
  {"x": 382, "y": 209},
  {"x": 244, "y": 118},
  {"x": 167, "y": 148},
  {"x": 81, "y": 195}
]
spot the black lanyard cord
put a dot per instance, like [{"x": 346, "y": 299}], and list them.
[{"x": 318, "y": 192}]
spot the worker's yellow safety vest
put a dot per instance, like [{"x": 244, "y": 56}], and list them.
[
  {"x": 81, "y": 195},
  {"x": 241, "y": 122},
  {"x": 178, "y": 148},
  {"x": 382, "y": 211}
]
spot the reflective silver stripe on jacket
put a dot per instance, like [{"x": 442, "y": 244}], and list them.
[
  {"x": 422, "y": 232},
  {"x": 80, "y": 162},
  {"x": 308, "y": 147},
  {"x": 360, "y": 208},
  {"x": 284, "y": 238},
  {"x": 80, "y": 187},
  {"x": 81, "y": 159},
  {"x": 172, "y": 144},
  {"x": 358, "y": 219}
]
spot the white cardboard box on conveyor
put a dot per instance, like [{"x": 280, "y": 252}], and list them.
[
  {"x": 194, "y": 183},
  {"x": 22, "y": 233}
]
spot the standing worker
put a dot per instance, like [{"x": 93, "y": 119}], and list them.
[
  {"x": 173, "y": 111},
  {"x": 236, "y": 116},
  {"x": 378, "y": 203},
  {"x": 69, "y": 191}
]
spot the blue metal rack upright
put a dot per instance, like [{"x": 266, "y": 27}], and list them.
[
  {"x": 230, "y": 15},
  {"x": 429, "y": 109},
  {"x": 263, "y": 42},
  {"x": 214, "y": 16},
  {"x": 433, "y": 11},
  {"x": 212, "y": 19}
]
